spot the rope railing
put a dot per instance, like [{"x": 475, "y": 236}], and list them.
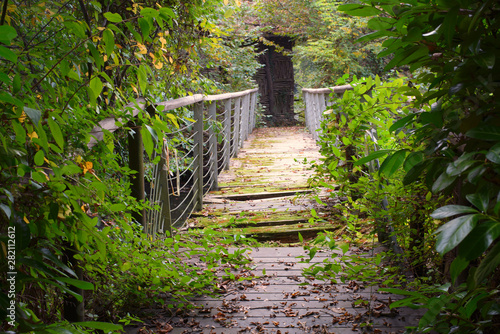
[{"x": 189, "y": 168}]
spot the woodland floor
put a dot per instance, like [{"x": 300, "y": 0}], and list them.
[{"x": 257, "y": 198}]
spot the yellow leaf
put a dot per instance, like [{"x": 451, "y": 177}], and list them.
[
  {"x": 226, "y": 2},
  {"x": 26, "y": 220},
  {"x": 23, "y": 117},
  {"x": 158, "y": 65},
  {"x": 142, "y": 48},
  {"x": 78, "y": 159},
  {"x": 32, "y": 135},
  {"x": 139, "y": 288}
]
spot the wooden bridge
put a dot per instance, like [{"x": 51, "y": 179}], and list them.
[{"x": 262, "y": 192}]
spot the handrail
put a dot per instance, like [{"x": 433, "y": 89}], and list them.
[
  {"x": 236, "y": 114},
  {"x": 316, "y": 102}
]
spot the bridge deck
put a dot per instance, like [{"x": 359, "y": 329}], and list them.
[{"x": 271, "y": 300}]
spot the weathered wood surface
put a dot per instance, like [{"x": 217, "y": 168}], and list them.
[
  {"x": 274, "y": 302},
  {"x": 271, "y": 298}
]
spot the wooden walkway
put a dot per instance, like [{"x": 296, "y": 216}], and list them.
[{"x": 271, "y": 299}]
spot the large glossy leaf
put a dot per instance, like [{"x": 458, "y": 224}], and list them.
[
  {"x": 372, "y": 156},
  {"x": 457, "y": 266},
  {"x": 414, "y": 173},
  {"x": 485, "y": 132},
  {"x": 76, "y": 283},
  {"x": 358, "y": 10},
  {"x": 443, "y": 181},
  {"x": 392, "y": 163},
  {"x": 479, "y": 239},
  {"x": 452, "y": 210},
  {"x": 412, "y": 160},
  {"x": 493, "y": 154},
  {"x": 488, "y": 264},
  {"x": 401, "y": 122},
  {"x": 480, "y": 200},
  {"x": 451, "y": 234}
]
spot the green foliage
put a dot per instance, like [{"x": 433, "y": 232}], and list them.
[
  {"x": 452, "y": 49},
  {"x": 64, "y": 67}
]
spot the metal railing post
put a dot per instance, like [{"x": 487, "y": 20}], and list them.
[
  {"x": 226, "y": 153},
  {"x": 198, "y": 156},
  {"x": 245, "y": 117},
  {"x": 164, "y": 195},
  {"x": 214, "y": 162},
  {"x": 236, "y": 136},
  {"x": 253, "y": 106}
]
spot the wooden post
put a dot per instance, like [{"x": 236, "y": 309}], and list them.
[
  {"x": 198, "y": 156},
  {"x": 214, "y": 164},
  {"x": 227, "y": 134},
  {"x": 136, "y": 163},
  {"x": 164, "y": 195},
  {"x": 236, "y": 138}
]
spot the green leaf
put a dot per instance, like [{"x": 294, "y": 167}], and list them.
[
  {"x": 117, "y": 207},
  {"x": 39, "y": 158},
  {"x": 392, "y": 163},
  {"x": 7, "y": 54},
  {"x": 301, "y": 239},
  {"x": 485, "y": 132},
  {"x": 113, "y": 17},
  {"x": 96, "y": 86},
  {"x": 147, "y": 140},
  {"x": 434, "y": 307},
  {"x": 7, "y": 34},
  {"x": 493, "y": 154},
  {"x": 33, "y": 114},
  {"x": 47, "y": 254},
  {"x": 443, "y": 181},
  {"x": 401, "y": 123},
  {"x": 489, "y": 264},
  {"x": 457, "y": 266},
  {"x": 20, "y": 133},
  {"x": 412, "y": 160},
  {"x": 126, "y": 266},
  {"x": 371, "y": 156},
  {"x": 109, "y": 41},
  {"x": 452, "y": 210},
  {"x": 143, "y": 78},
  {"x": 104, "y": 326},
  {"x": 451, "y": 234},
  {"x": 56, "y": 132},
  {"x": 6, "y": 210},
  {"x": 359, "y": 10},
  {"x": 480, "y": 200},
  {"x": 149, "y": 12},
  {"x": 70, "y": 169},
  {"x": 145, "y": 27},
  {"x": 415, "y": 172},
  {"x": 480, "y": 238}
]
